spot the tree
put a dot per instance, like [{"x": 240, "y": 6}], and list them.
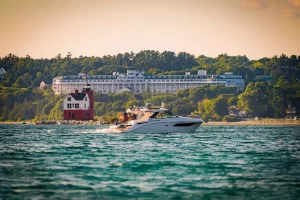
[
  {"x": 132, "y": 103},
  {"x": 232, "y": 101},
  {"x": 118, "y": 106},
  {"x": 220, "y": 107},
  {"x": 20, "y": 83},
  {"x": 205, "y": 109},
  {"x": 254, "y": 100}
]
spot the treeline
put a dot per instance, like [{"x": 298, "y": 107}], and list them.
[
  {"x": 25, "y": 71},
  {"x": 182, "y": 102},
  {"x": 19, "y": 98},
  {"x": 31, "y": 103},
  {"x": 260, "y": 99}
]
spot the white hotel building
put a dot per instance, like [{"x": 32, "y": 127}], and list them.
[{"x": 139, "y": 82}]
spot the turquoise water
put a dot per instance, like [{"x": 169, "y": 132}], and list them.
[{"x": 215, "y": 162}]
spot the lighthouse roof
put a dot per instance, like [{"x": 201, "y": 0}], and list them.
[{"x": 78, "y": 96}]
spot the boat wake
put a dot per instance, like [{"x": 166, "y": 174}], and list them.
[
  {"x": 107, "y": 130},
  {"x": 93, "y": 131}
]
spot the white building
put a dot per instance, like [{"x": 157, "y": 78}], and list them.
[
  {"x": 139, "y": 82},
  {"x": 2, "y": 73},
  {"x": 43, "y": 85}
]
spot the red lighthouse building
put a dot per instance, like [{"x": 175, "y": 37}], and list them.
[{"x": 79, "y": 106}]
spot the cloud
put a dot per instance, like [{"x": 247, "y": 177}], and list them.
[
  {"x": 295, "y": 3},
  {"x": 293, "y": 10},
  {"x": 260, "y": 4}
]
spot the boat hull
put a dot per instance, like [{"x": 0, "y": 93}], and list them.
[{"x": 163, "y": 126}]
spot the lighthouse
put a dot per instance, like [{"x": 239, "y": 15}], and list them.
[{"x": 79, "y": 106}]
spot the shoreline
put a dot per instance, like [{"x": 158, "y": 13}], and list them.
[
  {"x": 16, "y": 122},
  {"x": 211, "y": 123},
  {"x": 254, "y": 123}
]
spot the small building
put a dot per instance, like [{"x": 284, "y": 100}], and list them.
[
  {"x": 2, "y": 73},
  {"x": 263, "y": 78},
  {"x": 291, "y": 111},
  {"x": 79, "y": 106},
  {"x": 43, "y": 85},
  {"x": 237, "y": 112}
]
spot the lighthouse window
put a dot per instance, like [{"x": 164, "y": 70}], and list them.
[{"x": 76, "y": 105}]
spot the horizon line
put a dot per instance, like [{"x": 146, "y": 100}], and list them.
[{"x": 176, "y": 53}]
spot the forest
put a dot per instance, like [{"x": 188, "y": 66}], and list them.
[{"x": 21, "y": 99}]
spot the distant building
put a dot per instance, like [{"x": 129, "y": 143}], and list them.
[
  {"x": 263, "y": 78},
  {"x": 139, "y": 82},
  {"x": 237, "y": 112},
  {"x": 79, "y": 106},
  {"x": 43, "y": 85},
  {"x": 291, "y": 111},
  {"x": 2, "y": 73}
]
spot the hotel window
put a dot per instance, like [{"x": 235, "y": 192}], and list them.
[
  {"x": 85, "y": 98},
  {"x": 69, "y": 105},
  {"x": 76, "y": 105}
]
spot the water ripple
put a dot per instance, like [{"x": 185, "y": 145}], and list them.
[{"x": 215, "y": 162}]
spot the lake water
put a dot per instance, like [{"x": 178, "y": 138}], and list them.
[{"x": 215, "y": 162}]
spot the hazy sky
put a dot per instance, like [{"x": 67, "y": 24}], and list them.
[{"x": 45, "y": 28}]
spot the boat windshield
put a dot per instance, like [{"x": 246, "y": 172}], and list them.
[{"x": 163, "y": 114}]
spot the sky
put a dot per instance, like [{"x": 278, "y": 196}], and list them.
[{"x": 46, "y": 28}]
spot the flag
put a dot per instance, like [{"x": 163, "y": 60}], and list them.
[{"x": 130, "y": 58}]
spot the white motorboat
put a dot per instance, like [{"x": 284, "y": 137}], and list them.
[{"x": 158, "y": 120}]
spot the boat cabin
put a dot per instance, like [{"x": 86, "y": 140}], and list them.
[{"x": 160, "y": 113}]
